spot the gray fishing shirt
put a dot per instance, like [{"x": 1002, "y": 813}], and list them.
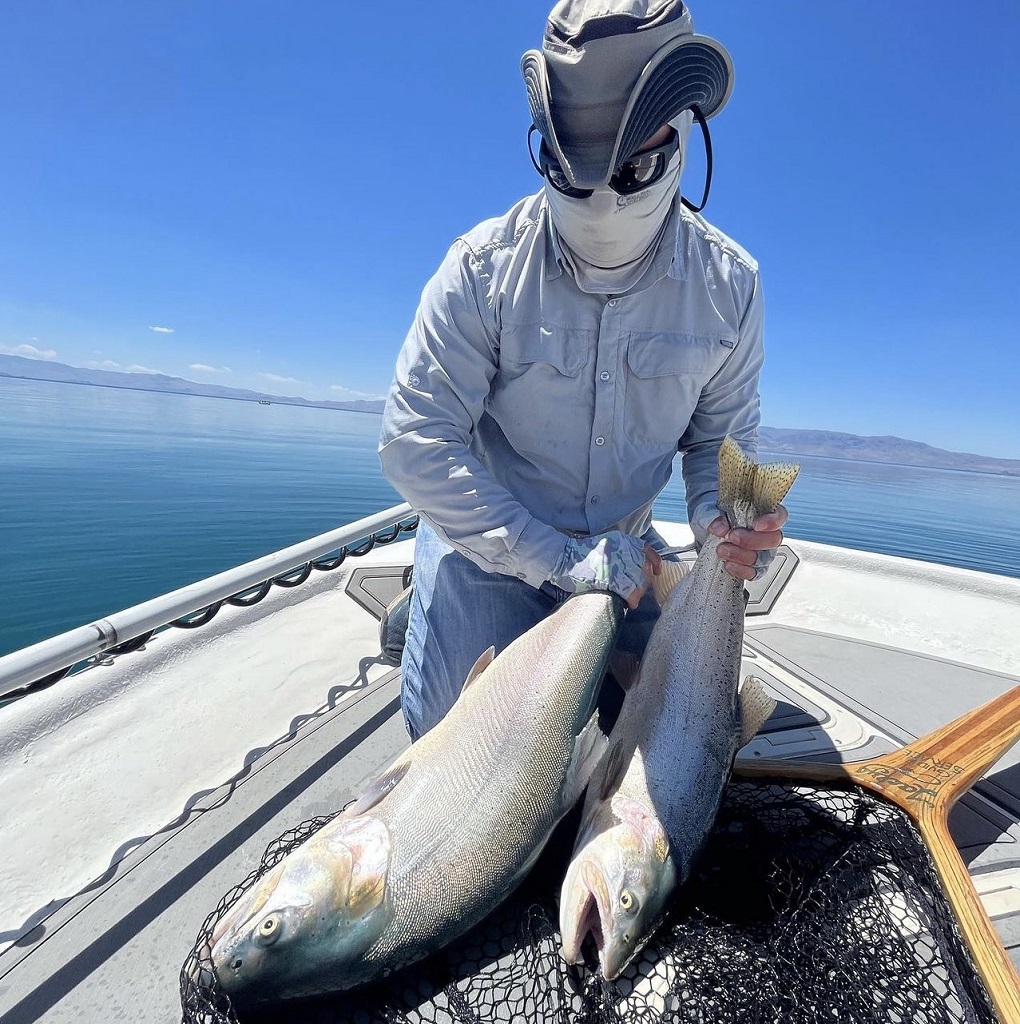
[{"x": 523, "y": 409}]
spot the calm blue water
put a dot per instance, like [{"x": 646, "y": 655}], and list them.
[{"x": 111, "y": 497}]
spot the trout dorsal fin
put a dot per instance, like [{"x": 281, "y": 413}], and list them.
[{"x": 748, "y": 490}]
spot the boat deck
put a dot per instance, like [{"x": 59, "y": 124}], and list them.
[{"x": 114, "y": 950}]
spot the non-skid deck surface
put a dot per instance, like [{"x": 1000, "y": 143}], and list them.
[
  {"x": 115, "y": 954},
  {"x": 905, "y": 696}
]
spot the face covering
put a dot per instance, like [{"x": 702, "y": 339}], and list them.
[
  {"x": 609, "y": 230},
  {"x": 609, "y": 239}
]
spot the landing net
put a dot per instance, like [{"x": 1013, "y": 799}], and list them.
[{"x": 809, "y": 905}]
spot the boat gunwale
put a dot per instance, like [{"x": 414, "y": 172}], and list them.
[{"x": 22, "y": 668}]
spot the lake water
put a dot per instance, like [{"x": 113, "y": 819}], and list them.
[{"x": 111, "y": 497}]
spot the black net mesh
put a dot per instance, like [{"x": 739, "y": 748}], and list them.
[{"x": 809, "y": 905}]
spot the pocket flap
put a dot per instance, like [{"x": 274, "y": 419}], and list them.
[
  {"x": 565, "y": 348},
  {"x": 662, "y": 355}
]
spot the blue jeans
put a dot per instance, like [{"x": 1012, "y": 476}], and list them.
[{"x": 459, "y": 610}]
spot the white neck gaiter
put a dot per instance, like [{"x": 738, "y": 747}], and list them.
[
  {"x": 597, "y": 280},
  {"x": 609, "y": 240}
]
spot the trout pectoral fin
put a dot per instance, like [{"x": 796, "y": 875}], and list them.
[
  {"x": 589, "y": 748},
  {"x": 669, "y": 576},
  {"x": 485, "y": 659},
  {"x": 616, "y": 766},
  {"x": 756, "y": 707},
  {"x": 625, "y": 666},
  {"x": 377, "y": 789}
]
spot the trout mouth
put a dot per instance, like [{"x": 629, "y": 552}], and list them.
[
  {"x": 594, "y": 911},
  {"x": 589, "y": 929}
]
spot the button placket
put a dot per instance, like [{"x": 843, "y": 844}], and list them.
[{"x": 605, "y": 388}]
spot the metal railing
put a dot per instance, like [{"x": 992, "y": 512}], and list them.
[{"x": 46, "y": 662}]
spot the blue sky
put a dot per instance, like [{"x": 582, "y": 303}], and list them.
[{"x": 271, "y": 183}]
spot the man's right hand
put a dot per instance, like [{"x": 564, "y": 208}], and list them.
[{"x": 613, "y": 561}]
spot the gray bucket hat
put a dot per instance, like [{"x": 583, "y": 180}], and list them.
[{"x": 611, "y": 73}]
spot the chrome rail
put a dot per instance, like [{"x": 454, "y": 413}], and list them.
[{"x": 22, "y": 668}]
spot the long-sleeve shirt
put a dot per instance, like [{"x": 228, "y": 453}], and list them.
[{"x": 523, "y": 409}]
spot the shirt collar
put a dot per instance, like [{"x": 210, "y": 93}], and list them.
[{"x": 554, "y": 265}]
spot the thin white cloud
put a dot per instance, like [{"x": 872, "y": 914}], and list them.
[
  {"x": 203, "y": 368},
  {"x": 346, "y": 392},
  {"x": 162, "y": 330},
  {"x": 111, "y": 365},
  {"x": 29, "y": 351},
  {"x": 277, "y": 379}
]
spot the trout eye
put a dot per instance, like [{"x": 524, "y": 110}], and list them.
[
  {"x": 268, "y": 931},
  {"x": 627, "y": 900}
]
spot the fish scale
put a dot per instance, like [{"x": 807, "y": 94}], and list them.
[
  {"x": 522, "y": 798},
  {"x": 693, "y": 660},
  {"x": 654, "y": 798},
  {"x": 452, "y": 825}
]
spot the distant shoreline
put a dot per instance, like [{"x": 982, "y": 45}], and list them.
[
  {"x": 764, "y": 449},
  {"x": 779, "y": 441},
  {"x": 268, "y": 400}
]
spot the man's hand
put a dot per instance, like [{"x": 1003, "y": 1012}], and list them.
[
  {"x": 611, "y": 561},
  {"x": 746, "y": 553}
]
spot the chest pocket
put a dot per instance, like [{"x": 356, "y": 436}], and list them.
[
  {"x": 666, "y": 373},
  {"x": 539, "y": 377},
  {"x": 525, "y": 346}
]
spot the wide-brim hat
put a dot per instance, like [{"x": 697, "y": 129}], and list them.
[{"x": 611, "y": 73}]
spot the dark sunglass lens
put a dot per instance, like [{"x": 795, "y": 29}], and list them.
[
  {"x": 639, "y": 172},
  {"x": 644, "y": 169},
  {"x": 556, "y": 177}
]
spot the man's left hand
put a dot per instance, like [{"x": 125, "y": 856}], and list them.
[{"x": 746, "y": 552}]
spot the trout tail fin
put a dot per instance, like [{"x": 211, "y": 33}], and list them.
[{"x": 747, "y": 490}]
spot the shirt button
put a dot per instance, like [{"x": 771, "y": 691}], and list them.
[
  {"x": 605, "y": 375},
  {"x": 594, "y": 499},
  {"x": 600, "y": 441},
  {"x": 520, "y": 575}
]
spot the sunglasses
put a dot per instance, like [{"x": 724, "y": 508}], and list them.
[{"x": 633, "y": 175}]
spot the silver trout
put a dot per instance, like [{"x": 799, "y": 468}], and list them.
[
  {"x": 444, "y": 834},
  {"x": 653, "y": 799}
]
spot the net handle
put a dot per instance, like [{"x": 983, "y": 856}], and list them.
[{"x": 926, "y": 778}]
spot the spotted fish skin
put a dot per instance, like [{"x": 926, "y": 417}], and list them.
[
  {"x": 447, "y": 831},
  {"x": 653, "y": 800}
]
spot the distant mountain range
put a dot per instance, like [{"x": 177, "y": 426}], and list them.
[
  {"x": 830, "y": 445},
  {"x": 821, "y": 443},
  {"x": 43, "y": 369}
]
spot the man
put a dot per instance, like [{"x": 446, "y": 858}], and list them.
[{"x": 564, "y": 352}]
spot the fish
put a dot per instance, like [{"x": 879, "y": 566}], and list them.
[
  {"x": 444, "y": 834},
  {"x": 654, "y": 797}
]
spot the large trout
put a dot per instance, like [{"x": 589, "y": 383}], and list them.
[
  {"x": 445, "y": 834},
  {"x": 652, "y": 801}
]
